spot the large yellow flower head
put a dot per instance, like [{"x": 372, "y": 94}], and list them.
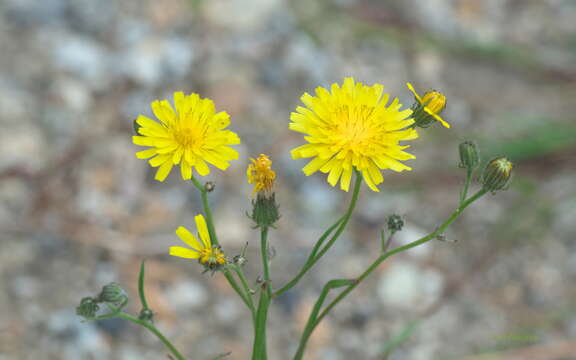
[
  {"x": 206, "y": 254},
  {"x": 351, "y": 126},
  {"x": 260, "y": 173},
  {"x": 191, "y": 136}
]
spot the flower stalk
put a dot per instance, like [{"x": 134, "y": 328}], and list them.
[{"x": 311, "y": 325}]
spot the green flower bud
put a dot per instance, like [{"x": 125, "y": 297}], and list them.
[
  {"x": 395, "y": 223},
  {"x": 265, "y": 210},
  {"x": 469, "y": 155},
  {"x": 113, "y": 294},
  {"x": 497, "y": 174},
  {"x": 88, "y": 308},
  {"x": 146, "y": 315}
]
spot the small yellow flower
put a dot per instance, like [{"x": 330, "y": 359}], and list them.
[
  {"x": 206, "y": 254},
  {"x": 350, "y": 127},
  {"x": 260, "y": 173},
  {"x": 191, "y": 136},
  {"x": 433, "y": 104}
]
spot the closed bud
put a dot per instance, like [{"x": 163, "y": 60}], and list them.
[
  {"x": 427, "y": 109},
  {"x": 395, "y": 223},
  {"x": 146, "y": 315},
  {"x": 88, "y": 308},
  {"x": 497, "y": 174},
  {"x": 469, "y": 155},
  {"x": 113, "y": 294},
  {"x": 209, "y": 186}
]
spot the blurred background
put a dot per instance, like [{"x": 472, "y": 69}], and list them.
[{"x": 78, "y": 210}]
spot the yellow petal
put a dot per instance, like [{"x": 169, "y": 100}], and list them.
[
  {"x": 314, "y": 166},
  {"x": 159, "y": 160},
  {"x": 201, "y": 167},
  {"x": 345, "y": 180},
  {"x": 163, "y": 111},
  {"x": 335, "y": 173},
  {"x": 446, "y": 125},
  {"x": 183, "y": 252},
  {"x": 186, "y": 170},
  {"x": 203, "y": 230},
  {"x": 145, "y": 154},
  {"x": 187, "y": 237},
  {"x": 163, "y": 171},
  {"x": 411, "y": 88}
]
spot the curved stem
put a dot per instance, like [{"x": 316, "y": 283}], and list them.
[
  {"x": 308, "y": 331},
  {"x": 141, "y": 293},
  {"x": 317, "y": 254},
  {"x": 243, "y": 296},
  {"x": 148, "y": 325},
  {"x": 464, "y": 192}
]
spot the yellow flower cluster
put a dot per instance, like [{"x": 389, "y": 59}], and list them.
[{"x": 348, "y": 127}]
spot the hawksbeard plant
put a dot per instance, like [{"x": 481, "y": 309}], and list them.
[{"x": 352, "y": 131}]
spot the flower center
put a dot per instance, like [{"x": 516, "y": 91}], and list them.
[
  {"x": 186, "y": 137},
  {"x": 353, "y": 126},
  {"x": 212, "y": 256}
]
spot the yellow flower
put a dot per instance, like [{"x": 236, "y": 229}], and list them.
[
  {"x": 349, "y": 127},
  {"x": 433, "y": 103},
  {"x": 191, "y": 136},
  {"x": 203, "y": 251},
  {"x": 260, "y": 174}
]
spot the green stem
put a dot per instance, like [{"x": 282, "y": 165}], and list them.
[
  {"x": 308, "y": 331},
  {"x": 464, "y": 192},
  {"x": 141, "y": 287},
  {"x": 238, "y": 270},
  {"x": 332, "y": 284},
  {"x": 317, "y": 254},
  {"x": 148, "y": 325},
  {"x": 207, "y": 211},
  {"x": 265, "y": 260},
  {"x": 259, "y": 349},
  {"x": 243, "y": 296}
]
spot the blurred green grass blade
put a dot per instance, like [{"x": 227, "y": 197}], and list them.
[
  {"x": 399, "y": 339},
  {"x": 536, "y": 142}
]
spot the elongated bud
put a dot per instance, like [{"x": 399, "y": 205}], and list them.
[
  {"x": 88, "y": 308},
  {"x": 427, "y": 109},
  {"x": 469, "y": 155},
  {"x": 113, "y": 294},
  {"x": 395, "y": 223},
  {"x": 497, "y": 174}
]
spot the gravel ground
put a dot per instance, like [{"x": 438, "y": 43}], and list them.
[{"x": 77, "y": 210}]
